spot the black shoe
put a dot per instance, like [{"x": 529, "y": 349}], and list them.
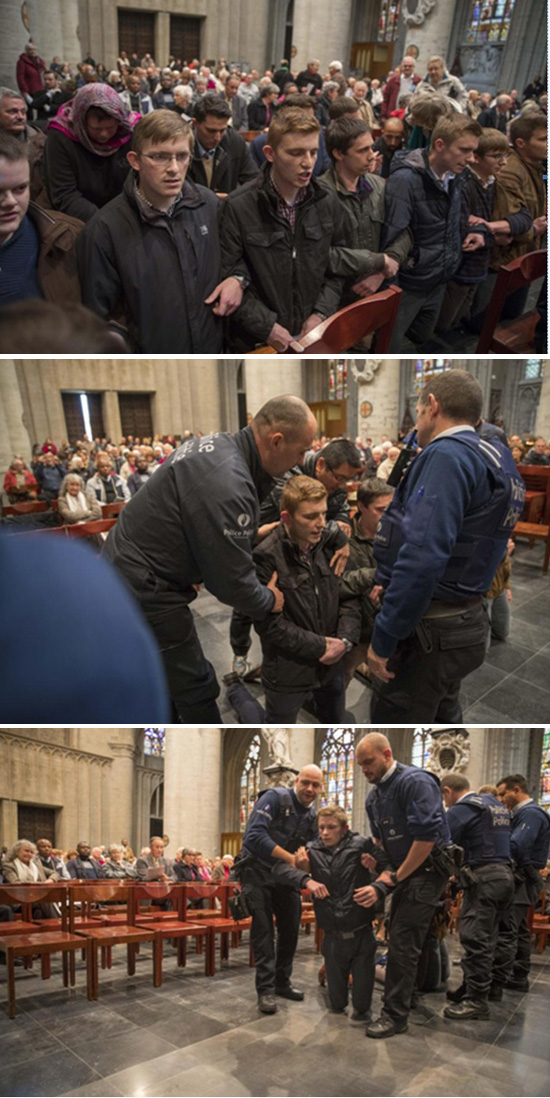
[
  {"x": 457, "y": 995},
  {"x": 254, "y": 675},
  {"x": 361, "y": 1018},
  {"x": 495, "y": 993},
  {"x": 467, "y": 1009},
  {"x": 290, "y": 993},
  {"x": 384, "y": 1027},
  {"x": 232, "y": 679},
  {"x": 520, "y": 984},
  {"x": 267, "y": 1004}
]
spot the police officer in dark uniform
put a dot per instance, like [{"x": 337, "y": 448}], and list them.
[
  {"x": 407, "y": 818},
  {"x": 480, "y": 824},
  {"x": 437, "y": 547},
  {"x": 282, "y": 821},
  {"x": 530, "y": 844}
]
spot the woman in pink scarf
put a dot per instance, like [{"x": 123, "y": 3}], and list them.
[{"x": 85, "y": 152}]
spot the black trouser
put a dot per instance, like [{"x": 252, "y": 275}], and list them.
[
  {"x": 412, "y": 908},
  {"x": 355, "y": 954},
  {"x": 239, "y": 633},
  {"x": 330, "y": 701},
  {"x": 483, "y": 906},
  {"x": 429, "y": 667},
  {"x": 191, "y": 678},
  {"x": 273, "y": 965},
  {"x": 513, "y": 953}
]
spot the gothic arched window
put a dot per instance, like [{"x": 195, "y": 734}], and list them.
[
  {"x": 153, "y": 741},
  {"x": 489, "y": 21},
  {"x": 422, "y": 747},
  {"x": 250, "y": 780},
  {"x": 337, "y": 764}
]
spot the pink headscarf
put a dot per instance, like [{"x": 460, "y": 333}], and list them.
[{"x": 71, "y": 118}]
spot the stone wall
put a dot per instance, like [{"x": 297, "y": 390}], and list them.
[
  {"x": 432, "y": 34},
  {"x": 382, "y": 392},
  {"x": 53, "y": 29},
  {"x": 267, "y": 378},
  {"x": 543, "y": 414},
  {"x": 321, "y": 30}
]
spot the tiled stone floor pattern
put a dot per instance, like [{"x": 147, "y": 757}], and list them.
[
  {"x": 512, "y": 686},
  {"x": 200, "y": 1036}
]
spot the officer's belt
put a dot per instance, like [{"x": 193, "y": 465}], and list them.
[
  {"x": 438, "y": 609},
  {"x": 345, "y": 935},
  {"x": 489, "y": 865}
]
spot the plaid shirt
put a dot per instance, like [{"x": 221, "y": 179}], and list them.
[{"x": 285, "y": 210}]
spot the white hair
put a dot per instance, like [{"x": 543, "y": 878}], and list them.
[{"x": 336, "y": 65}]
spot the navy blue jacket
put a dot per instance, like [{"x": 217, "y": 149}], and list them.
[
  {"x": 407, "y": 808},
  {"x": 416, "y": 200},
  {"x": 278, "y": 819},
  {"x": 530, "y": 841},
  {"x": 445, "y": 532},
  {"x": 481, "y": 826}
]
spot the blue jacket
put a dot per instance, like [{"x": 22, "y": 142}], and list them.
[
  {"x": 278, "y": 819},
  {"x": 407, "y": 808},
  {"x": 481, "y": 826},
  {"x": 530, "y": 835},
  {"x": 417, "y": 201},
  {"x": 445, "y": 532}
]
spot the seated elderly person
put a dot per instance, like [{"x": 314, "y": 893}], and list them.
[
  {"x": 22, "y": 866},
  {"x": 107, "y": 486},
  {"x": 116, "y": 866},
  {"x": 19, "y": 484},
  {"x": 75, "y": 503}
]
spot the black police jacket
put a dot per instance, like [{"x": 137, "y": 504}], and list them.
[
  {"x": 340, "y": 869},
  {"x": 293, "y": 641}
]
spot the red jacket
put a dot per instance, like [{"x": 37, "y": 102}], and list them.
[
  {"x": 390, "y": 95},
  {"x": 30, "y": 74}
]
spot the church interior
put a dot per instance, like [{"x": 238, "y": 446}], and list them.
[{"x": 199, "y": 1034}]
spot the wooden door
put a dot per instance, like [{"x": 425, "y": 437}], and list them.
[
  {"x": 185, "y": 37},
  {"x": 374, "y": 59},
  {"x": 135, "y": 414},
  {"x": 35, "y": 821},
  {"x": 136, "y": 32},
  {"x": 331, "y": 415}
]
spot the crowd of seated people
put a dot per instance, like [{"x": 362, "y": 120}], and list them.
[{"x": 452, "y": 190}]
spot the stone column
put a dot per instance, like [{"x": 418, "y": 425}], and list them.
[
  {"x": 192, "y": 772},
  {"x": 381, "y": 390},
  {"x": 432, "y": 32},
  {"x": 111, "y": 414},
  {"x": 321, "y": 29},
  {"x": 72, "y": 48},
  {"x": 8, "y": 821},
  {"x": 543, "y": 411},
  {"x": 121, "y": 791},
  {"x": 14, "y": 437},
  {"x": 302, "y": 746},
  {"x": 162, "y": 37},
  {"x": 46, "y": 27}
]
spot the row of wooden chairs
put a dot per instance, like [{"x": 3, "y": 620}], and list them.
[
  {"x": 38, "y": 506},
  {"x": 535, "y": 520}
]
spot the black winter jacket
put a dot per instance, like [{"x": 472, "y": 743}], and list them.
[
  {"x": 193, "y": 522},
  {"x": 416, "y": 200},
  {"x": 155, "y": 273},
  {"x": 78, "y": 181},
  {"x": 340, "y": 869},
  {"x": 337, "y": 503},
  {"x": 233, "y": 165},
  {"x": 289, "y": 272},
  {"x": 294, "y": 641}
]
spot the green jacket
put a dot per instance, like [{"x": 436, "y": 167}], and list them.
[
  {"x": 363, "y": 221},
  {"x": 358, "y": 579}
]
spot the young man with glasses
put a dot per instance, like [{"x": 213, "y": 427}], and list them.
[{"x": 150, "y": 259}]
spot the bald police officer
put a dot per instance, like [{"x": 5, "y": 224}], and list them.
[
  {"x": 480, "y": 824},
  {"x": 282, "y": 821},
  {"x": 407, "y": 818}
]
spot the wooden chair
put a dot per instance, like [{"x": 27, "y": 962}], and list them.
[
  {"x": 40, "y": 941},
  {"x": 84, "y": 529},
  {"x": 514, "y": 336},
  {"x": 110, "y": 509},
  {"x": 216, "y": 922},
  {"x": 175, "y": 928},
  {"x": 343, "y": 329},
  {"x": 540, "y": 926},
  {"x": 107, "y": 936},
  {"x": 30, "y": 507},
  {"x": 537, "y": 482}
]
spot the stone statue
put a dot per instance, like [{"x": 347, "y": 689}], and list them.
[
  {"x": 278, "y": 745},
  {"x": 415, "y": 11},
  {"x": 368, "y": 371}
]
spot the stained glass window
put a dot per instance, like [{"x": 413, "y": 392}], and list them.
[
  {"x": 338, "y": 379},
  {"x": 153, "y": 741},
  {"x": 337, "y": 764},
  {"x": 422, "y": 747},
  {"x": 250, "y": 780},
  {"x": 545, "y": 772},
  {"x": 489, "y": 21},
  {"x": 533, "y": 369},
  {"x": 388, "y": 23},
  {"x": 427, "y": 368}
]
